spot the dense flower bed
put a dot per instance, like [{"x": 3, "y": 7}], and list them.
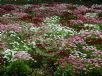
[{"x": 50, "y": 40}]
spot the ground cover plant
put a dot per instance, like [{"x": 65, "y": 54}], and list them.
[{"x": 50, "y": 40}]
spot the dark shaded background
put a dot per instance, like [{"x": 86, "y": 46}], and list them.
[{"x": 87, "y": 2}]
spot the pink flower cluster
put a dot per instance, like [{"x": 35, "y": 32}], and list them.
[
  {"x": 12, "y": 27},
  {"x": 22, "y": 55}
]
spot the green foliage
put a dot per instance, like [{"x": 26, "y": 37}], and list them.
[
  {"x": 32, "y": 13},
  {"x": 99, "y": 14},
  {"x": 95, "y": 72},
  {"x": 97, "y": 26},
  {"x": 40, "y": 72},
  {"x": 2, "y": 70},
  {"x": 18, "y": 68},
  {"x": 92, "y": 72},
  {"x": 15, "y": 41},
  {"x": 67, "y": 71}
]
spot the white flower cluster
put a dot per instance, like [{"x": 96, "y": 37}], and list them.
[
  {"x": 79, "y": 54},
  {"x": 8, "y": 54},
  {"x": 7, "y": 15},
  {"x": 12, "y": 55},
  {"x": 94, "y": 26},
  {"x": 91, "y": 14},
  {"x": 27, "y": 6},
  {"x": 56, "y": 31},
  {"x": 63, "y": 31},
  {"x": 33, "y": 29},
  {"x": 52, "y": 20}
]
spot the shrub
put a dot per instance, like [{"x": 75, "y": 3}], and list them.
[
  {"x": 2, "y": 70},
  {"x": 18, "y": 68}
]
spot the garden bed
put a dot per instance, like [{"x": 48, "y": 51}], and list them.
[{"x": 50, "y": 40}]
